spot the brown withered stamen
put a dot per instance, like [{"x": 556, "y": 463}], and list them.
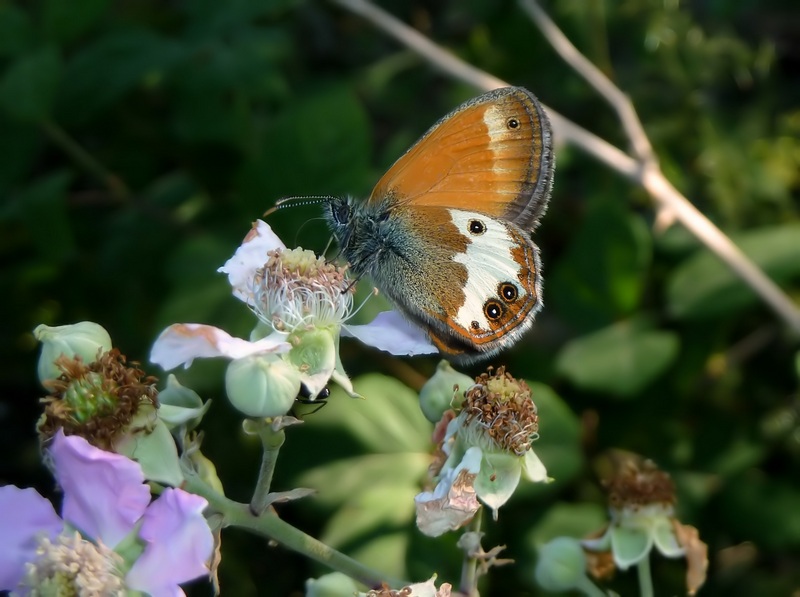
[
  {"x": 503, "y": 406},
  {"x": 128, "y": 384},
  {"x": 639, "y": 485},
  {"x": 386, "y": 591}
]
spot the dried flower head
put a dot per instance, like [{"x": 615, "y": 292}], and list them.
[
  {"x": 640, "y": 484},
  {"x": 501, "y": 407},
  {"x": 96, "y": 400}
]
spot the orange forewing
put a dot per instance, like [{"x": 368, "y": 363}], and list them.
[{"x": 459, "y": 163}]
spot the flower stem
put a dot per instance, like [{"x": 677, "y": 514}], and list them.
[
  {"x": 588, "y": 588},
  {"x": 469, "y": 568},
  {"x": 645, "y": 578},
  {"x": 271, "y": 442},
  {"x": 272, "y": 527}
]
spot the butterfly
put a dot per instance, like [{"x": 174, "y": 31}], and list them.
[{"x": 446, "y": 232}]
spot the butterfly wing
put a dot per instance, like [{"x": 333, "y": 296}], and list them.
[
  {"x": 494, "y": 151},
  {"x": 475, "y": 290}
]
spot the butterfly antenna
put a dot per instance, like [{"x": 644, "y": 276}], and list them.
[{"x": 297, "y": 201}]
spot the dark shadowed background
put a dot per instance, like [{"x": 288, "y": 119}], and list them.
[{"x": 140, "y": 139}]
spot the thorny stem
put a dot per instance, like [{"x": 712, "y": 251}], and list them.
[
  {"x": 271, "y": 442},
  {"x": 269, "y": 525},
  {"x": 469, "y": 568}
]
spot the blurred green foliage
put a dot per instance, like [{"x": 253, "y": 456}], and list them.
[{"x": 140, "y": 139}]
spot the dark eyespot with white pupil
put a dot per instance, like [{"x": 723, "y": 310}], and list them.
[
  {"x": 512, "y": 123},
  {"x": 477, "y": 227},
  {"x": 508, "y": 292},
  {"x": 493, "y": 310}
]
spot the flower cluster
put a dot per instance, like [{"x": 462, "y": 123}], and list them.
[
  {"x": 95, "y": 393},
  {"x": 483, "y": 450},
  {"x": 642, "y": 516},
  {"x": 301, "y": 303},
  {"x": 111, "y": 539}
]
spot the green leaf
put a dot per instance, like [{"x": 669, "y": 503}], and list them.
[
  {"x": 111, "y": 66},
  {"x": 28, "y": 87},
  {"x": 570, "y": 520},
  {"x": 65, "y": 21},
  {"x": 387, "y": 552},
  {"x": 343, "y": 480},
  {"x": 704, "y": 287},
  {"x": 42, "y": 206},
  {"x": 559, "y": 444},
  {"x": 388, "y": 419},
  {"x": 196, "y": 291},
  {"x": 327, "y": 134},
  {"x": 372, "y": 488},
  {"x": 602, "y": 275},
  {"x": 16, "y": 164},
  {"x": 16, "y": 30},
  {"x": 620, "y": 359},
  {"x": 371, "y": 508},
  {"x": 771, "y": 507}
]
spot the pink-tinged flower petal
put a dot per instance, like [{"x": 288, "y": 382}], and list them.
[
  {"x": 179, "y": 544},
  {"x": 182, "y": 343},
  {"x": 453, "y": 503},
  {"x": 24, "y": 517},
  {"x": 251, "y": 255},
  {"x": 696, "y": 556},
  {"x": 390, "y": 332},
  {"x": 104, "y": 493}
]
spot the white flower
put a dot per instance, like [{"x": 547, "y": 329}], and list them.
[
  {"x": 302, "y": 302},
  {"x": 490, "y": 439}
]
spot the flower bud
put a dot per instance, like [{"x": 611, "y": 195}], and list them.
[
  {"x": 439, "y": 392},
  {"x": 262, "y": 385},
  {"x": 85, "y": 340},
  {"x": 561, "y": 565},
  {"x": 334, "y": 584},
  {"x": 180, "y": 406}
]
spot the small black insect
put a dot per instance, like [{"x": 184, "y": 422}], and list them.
[{"x": 304, "y": 397}]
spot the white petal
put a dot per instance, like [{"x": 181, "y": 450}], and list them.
[
  {"x": 534, "y": 468},
  {"x": 452, "y": 503},
  {"x": 498, "y": 479},
  {"x": 251, "y": 255},
  {"x": 390, "y": 331},
  {"x": 665, "y": 539},
  {"x": 181, "y": 343}
]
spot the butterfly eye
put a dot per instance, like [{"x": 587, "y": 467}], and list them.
[
  {"x": 477, "y": 227},
  {"x": 493, "y": 310},
  {"x": 512, "y": 123},
  {"x": 341, "y": 213},
  {"x": 508, "y": 292}
]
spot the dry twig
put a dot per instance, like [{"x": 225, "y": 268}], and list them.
[{"x": 642, "y": 169}]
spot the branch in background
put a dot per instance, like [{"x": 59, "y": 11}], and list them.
[
  {"x": 643, "y": 170},
  {"x": 642, "y": 150},
  {"x": 84, "y": 159}
]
